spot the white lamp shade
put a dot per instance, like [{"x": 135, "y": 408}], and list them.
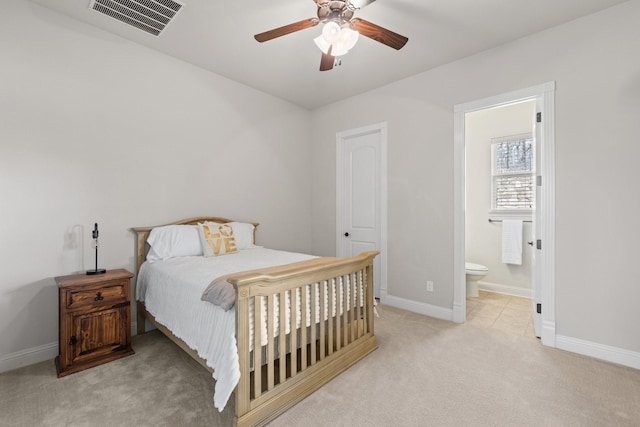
[
  {"x": 331, "y": 31},
  {"x": 349, "y": 37},
  {"x": 322, "y": 44},
  {"x": 339, "y": 48}
]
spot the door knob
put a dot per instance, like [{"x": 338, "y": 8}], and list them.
[
  {"x": 346, "y": 234},
  {"x": 530, "y": 243}
]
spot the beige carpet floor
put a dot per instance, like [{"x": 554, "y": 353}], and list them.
[{"x": 426, "y": 372}]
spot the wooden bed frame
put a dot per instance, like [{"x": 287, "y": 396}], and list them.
[{"x": 319, "y": 353}]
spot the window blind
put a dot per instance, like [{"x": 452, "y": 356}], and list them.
[{"x": 513, "y": 168}]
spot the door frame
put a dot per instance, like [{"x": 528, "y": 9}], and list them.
[
  {"x": 544, "y": 95},
  {"x": 382, "y": 193}
]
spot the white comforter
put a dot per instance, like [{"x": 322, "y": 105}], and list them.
[{"x": 171, "y": 291}]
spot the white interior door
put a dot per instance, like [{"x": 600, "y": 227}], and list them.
[{"x": 361, "y": 196}]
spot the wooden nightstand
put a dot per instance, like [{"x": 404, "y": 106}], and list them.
[{"x": 95, "y": 320}]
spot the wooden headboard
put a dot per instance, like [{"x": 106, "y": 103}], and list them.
[{"x": 142, "y": 233}]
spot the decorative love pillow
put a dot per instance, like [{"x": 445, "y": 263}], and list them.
[{"x": 216, "y": 239}]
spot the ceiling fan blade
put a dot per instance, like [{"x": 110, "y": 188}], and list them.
[
  {"x": 359, "y": 4},
  {"x": 379, "y": 34},
  {"x": 287, "y": 29},
  {"x": 327, "y": 61}
]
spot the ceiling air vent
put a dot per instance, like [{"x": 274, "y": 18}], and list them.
[{"x": 151, "y": 16}]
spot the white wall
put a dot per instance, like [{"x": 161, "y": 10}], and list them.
[
  {"x": 483, "y": 240},
  {"x": 97, "y": 129},
  {"x": 595, "y": 64}
]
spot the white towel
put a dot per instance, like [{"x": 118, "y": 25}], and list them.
[{"x": 512, "y": 242}]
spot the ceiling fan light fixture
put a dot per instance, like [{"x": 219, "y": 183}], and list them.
[{"x": 339, "y": 38}]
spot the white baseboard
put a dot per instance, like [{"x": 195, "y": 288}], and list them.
[
  {"x": 417, "y": 307},
  {"x": 587, "y": 348},
  {"x": 548, "y": 333},
  {"x": 599, "y": 351},
  {"x": 459, "y": 312},
  {"x": 505, "y": 289},
  {"x": 29, "y": 356}
]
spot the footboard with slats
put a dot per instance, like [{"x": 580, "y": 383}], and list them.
[{"x": 334, "y": 330}]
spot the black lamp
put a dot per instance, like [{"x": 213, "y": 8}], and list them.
[{"x": 94, "y": 234}]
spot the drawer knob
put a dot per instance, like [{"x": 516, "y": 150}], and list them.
[{"x": 98, "y": 297}]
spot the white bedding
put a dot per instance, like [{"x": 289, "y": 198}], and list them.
[{"x": 206, "y": 328}]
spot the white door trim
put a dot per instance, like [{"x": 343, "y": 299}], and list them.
[
  {"x": 545, "y": 97},
  {"x": 340, "y": 136}
]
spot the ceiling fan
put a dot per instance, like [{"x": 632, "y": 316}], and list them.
[{"x": 340, "y": 31}]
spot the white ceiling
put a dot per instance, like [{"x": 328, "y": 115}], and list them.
[{"x": 218, "y": 36}]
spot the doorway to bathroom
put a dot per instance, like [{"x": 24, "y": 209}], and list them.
[
  {"x": 510, "y": 121},
  {"x": 499, "y": 204}
]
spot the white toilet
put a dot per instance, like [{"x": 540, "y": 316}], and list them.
[{"x": 474, "y": 272}]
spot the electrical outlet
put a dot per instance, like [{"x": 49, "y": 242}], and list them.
[{"x": 429, "y": 286}]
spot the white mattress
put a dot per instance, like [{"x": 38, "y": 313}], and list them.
[{"x": 171, "y": 291}]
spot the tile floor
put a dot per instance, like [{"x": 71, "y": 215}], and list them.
[{"x": 504, "y": 312}]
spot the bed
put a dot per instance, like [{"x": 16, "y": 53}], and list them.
[{"x": 269, "y": 358}]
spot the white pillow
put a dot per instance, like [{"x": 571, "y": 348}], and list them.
[
  {"x": 173, "y": 241},
  {"x": 243, "y": 233}
]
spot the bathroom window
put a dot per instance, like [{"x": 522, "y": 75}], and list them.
[{"x": 512, "y": 175}]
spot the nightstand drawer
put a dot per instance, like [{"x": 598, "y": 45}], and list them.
[{"x": 107, "y": 293}]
